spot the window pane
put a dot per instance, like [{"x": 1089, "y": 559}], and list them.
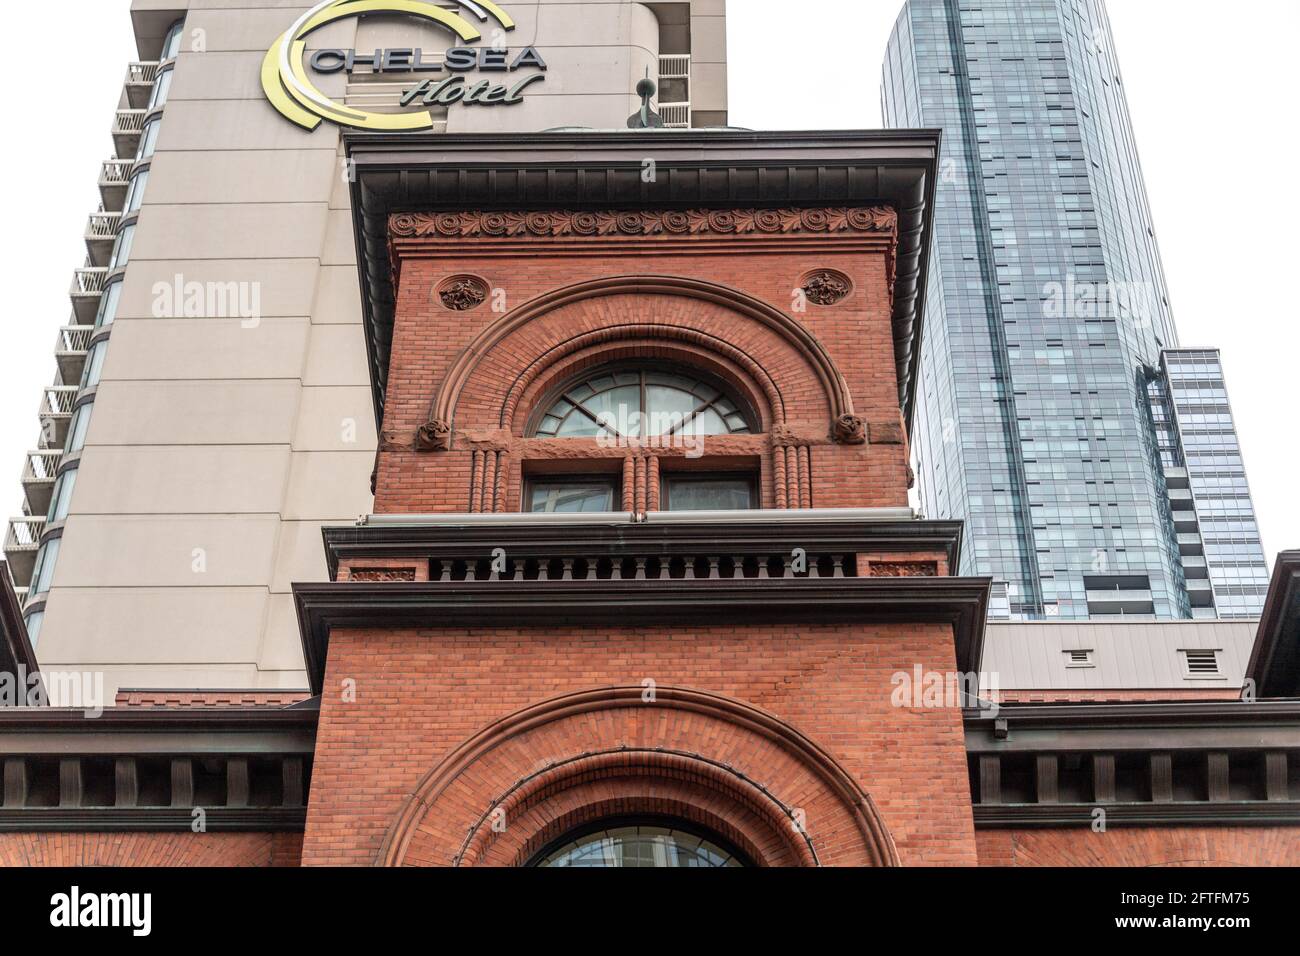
[
  {"x": 45, "y": 561},
  {"x": 570, "y": 497},
  {"x": 709, "y": 494},
  {"x": 640, "y": 846}
]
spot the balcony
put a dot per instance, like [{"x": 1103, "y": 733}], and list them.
[
  {"x": 127, "y": 127},
  {"x": 21, "y": 543},
  {"x": 139, "y": 83},
  {"x": 114, "y": 178},
  {"x": 56, "y": 413},
  {"x": 1201, "y": 593},
  {"x": 1190, "y": 543},
  {"x": 87, "y": 287},
  {"x": 70, "y": 351},
  {"x": 1120, "y": 602},
  {"x": 676, "y": 115},
  {"x": 38, "y": 478},
  {"x": 101, "y": 231},
  {"x": 675, "y": 90}
]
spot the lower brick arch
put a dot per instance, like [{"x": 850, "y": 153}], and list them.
[{"x": 713, "y": 761}]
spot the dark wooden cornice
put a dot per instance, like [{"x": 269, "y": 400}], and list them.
[
  {"x": 16, "y": 653},
  {"x": 777, "y": 535},
  {"x": 958, "y": 602},
  {"x": 1275, "y": 663}
]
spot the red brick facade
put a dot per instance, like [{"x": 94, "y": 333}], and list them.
[{"x": 150, "y": 849}]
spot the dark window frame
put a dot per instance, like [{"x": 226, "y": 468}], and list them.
[
  {"x": 614, "y": 482},
  {"x": 749, "y": 477}
]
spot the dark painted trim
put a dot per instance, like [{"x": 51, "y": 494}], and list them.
[
  {"x": 622, "y": 538},
  {"x": 1275, "y": 662},
  {"x": 1038, "y": 816},
  {"x": 166, "y": 819},
  {"x": 16, "y": 651},
  {"x": 959, "y": 602}
]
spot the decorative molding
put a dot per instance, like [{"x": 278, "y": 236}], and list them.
[
  {"x": 443, "y": 407},
  {"x": 904, "y": 569},
  {"x": 378, "y": 575},
  {"x": 849, "y": 430},
  {"x": 433, "y": 435},
  {"x": 826, "y": 287},
  {"x": 462, "y": 293},
  {"x": 676, "y": 222}
]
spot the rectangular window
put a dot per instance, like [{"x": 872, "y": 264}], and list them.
[
  {"x": 694, "y": 492},
  {"x": 571, "y": 495}
]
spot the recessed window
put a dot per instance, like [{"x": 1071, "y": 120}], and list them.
[
  {"x": 46, "y": 559},
  {"x": 571, "y": 495},
  {"x": 161, "y": 87},
  {"x": 644, "y": 845},
  {"x": 94, "y": 364},
  {"x": 149, "y": 138},
  {"x": 171, "y": 45},
  {"x": 62, "y": 497},
  {"x": 108, "y": 304},
  {"x": 631, "y": 402},
  {"x": 708, "y": 493},
  {"x": 135, "y": 192},
  {"x": 122, "y": 247},
  {"x": 77, "y": 429}
]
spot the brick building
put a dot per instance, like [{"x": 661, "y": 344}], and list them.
[{"x": 642, "y": 586}]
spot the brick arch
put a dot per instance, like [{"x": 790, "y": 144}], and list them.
[
  {"x": 778, "y": 353},
  {"x": 715, "y": 761}
]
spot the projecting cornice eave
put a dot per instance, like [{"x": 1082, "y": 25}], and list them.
[
  {"x": 17, "y": 655},
  {"x": 1274, "y": 667},
  {"x": 604, "y": 169},
  {"x": 958, "y": 602}
]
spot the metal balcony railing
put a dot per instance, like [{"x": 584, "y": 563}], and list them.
[
  {"x": 87, "y": 287},
  {"x": 55, "y": 414},
  {"x": 89, "y": 280},
  {"x": 21, "y": 543},
  {"x": 675, "y": 66},
  {"x": 127, "y": 126},
  {"x": 102, "y": 225},
  {"x": 70, "y": 350},
  {"x": 139, "y": 83},
  {"x": 41, "y": 465},
  {"x": 676, "y": 115},
  {"x": 114, "y": 177},
  {"x": 38, "y": 478},
  {"x": 101, "y": 230}
]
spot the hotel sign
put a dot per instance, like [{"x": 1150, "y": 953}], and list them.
[{"x": 475, "y": 75}]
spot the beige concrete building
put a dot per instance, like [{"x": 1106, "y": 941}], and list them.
[{"x": 212, "y": 408}]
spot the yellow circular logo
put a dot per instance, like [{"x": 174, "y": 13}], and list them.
[{"x": 292, "y": 93}]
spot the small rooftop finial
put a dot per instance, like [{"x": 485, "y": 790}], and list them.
[{"x": 645, "y": 118}]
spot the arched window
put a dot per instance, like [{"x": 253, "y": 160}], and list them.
[
  {"x": 639, "y": 843},
  {"x": 631, "y": 401}
]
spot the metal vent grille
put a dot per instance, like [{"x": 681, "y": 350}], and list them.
[
  {"x": 1202, "y": 663},
  {"x": 1079, "y": 659}
]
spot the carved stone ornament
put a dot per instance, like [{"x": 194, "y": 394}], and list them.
[
  {"x": 433, "y": 436},
  {"x": 462, "y": 293},
  {"x": 850, "y": 430},
  {"x": 825, "y": 287},
  {"x": 469, "y": 225},
  {"x": 904, "y": 569}
]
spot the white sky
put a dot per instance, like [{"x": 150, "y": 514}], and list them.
[{"x": 1209, "y": 87}]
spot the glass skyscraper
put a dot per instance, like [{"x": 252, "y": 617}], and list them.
[{"x": 1052, "y": 416}]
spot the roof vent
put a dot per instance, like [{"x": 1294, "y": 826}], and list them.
[
  {"x": 1202, "y": 663},
  {"x": 1079, "y": 659}
]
